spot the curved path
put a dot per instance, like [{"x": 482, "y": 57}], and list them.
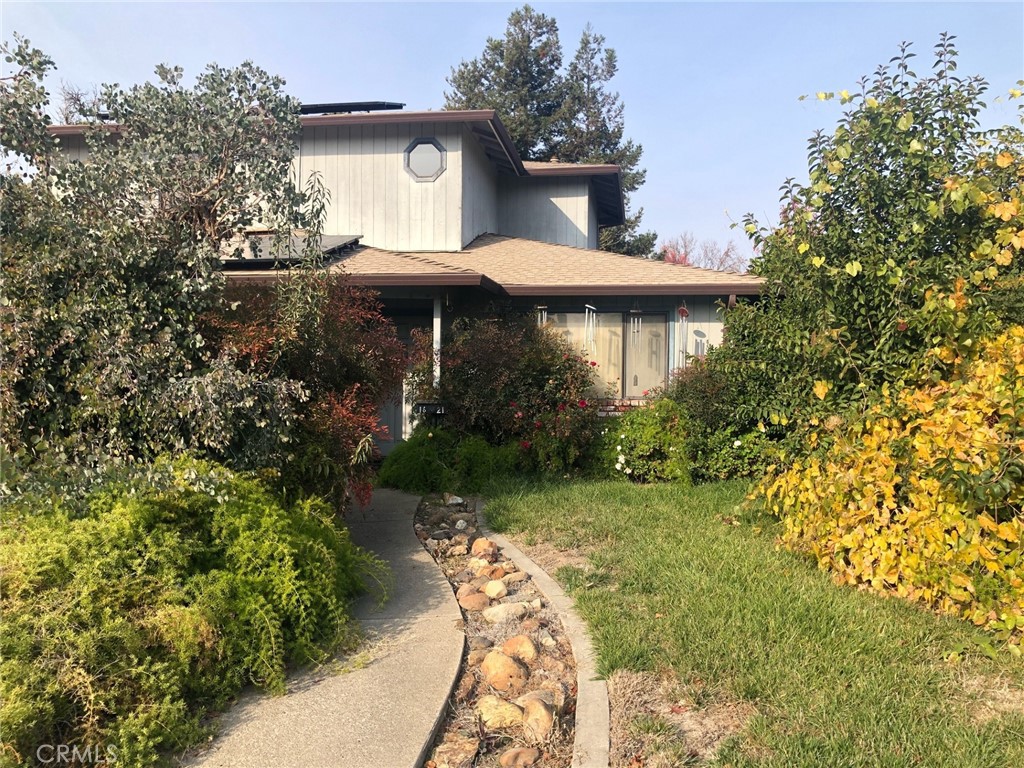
[{"x": 383, "y": 712}]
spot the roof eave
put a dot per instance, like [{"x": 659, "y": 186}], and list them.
[
  {"x": 426, "y": 280},
  {"x": 634, "y": 289}
]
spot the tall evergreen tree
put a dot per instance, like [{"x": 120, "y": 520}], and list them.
[
  {"x": 518, "y": 76},
  {"x": 588, "y": 128},
  {"x": 572, "y": 116}
]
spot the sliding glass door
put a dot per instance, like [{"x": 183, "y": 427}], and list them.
[
  {"x": 630, "y": 349},
  {"x": 646, "y": 353}
]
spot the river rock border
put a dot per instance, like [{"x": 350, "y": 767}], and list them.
[
  {"x": 560, "y": 660},
  {"x": 591, "y": 740}
]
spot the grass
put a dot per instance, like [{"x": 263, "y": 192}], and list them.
[{"x": 684, "y": 580}]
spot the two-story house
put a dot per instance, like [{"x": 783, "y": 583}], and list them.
[{"x": 437, "y": 212}]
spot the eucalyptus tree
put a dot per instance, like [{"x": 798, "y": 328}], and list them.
[{"x": 109, "y": 265}]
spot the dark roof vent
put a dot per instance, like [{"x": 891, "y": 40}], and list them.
[{"x": 346, "y": 107}]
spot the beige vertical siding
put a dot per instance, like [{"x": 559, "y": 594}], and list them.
[
  {"x": 555, "y": 210},
  {"x": 479, "y": 190},
  {"x": 373, "y": 196}
]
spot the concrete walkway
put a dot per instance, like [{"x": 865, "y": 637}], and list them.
[{"x": 383, "y": 714}]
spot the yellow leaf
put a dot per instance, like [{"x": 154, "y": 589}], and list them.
[
  {"x": 821, "y": 389},
  {"x": 986, "y": 522},
  {"x": 1007, "y": 532},
  {"x": 803, "y": 248},
  {"x": 818, "y": 261},
  {"x": 1003, "y": 159},
  {"x": 960, "y": 580},
  {"x": 905, "y": 121},
  {"x": 853, "y": 268}
]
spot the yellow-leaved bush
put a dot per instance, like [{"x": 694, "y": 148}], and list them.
[{"x": 922, "y": 497}]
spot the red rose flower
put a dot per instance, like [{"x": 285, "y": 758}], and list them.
[{"x": 582, "y": 403}]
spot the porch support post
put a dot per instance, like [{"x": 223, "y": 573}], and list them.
[{"x": 437, "y": 341}]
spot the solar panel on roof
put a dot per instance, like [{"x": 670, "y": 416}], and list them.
[
  {"x": 330, "y": 245},
  {"x": 332, "y": 108},
  {"x": 348, "y": 106}
]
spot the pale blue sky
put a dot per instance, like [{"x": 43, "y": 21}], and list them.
[{"x": 711, "y": 89}]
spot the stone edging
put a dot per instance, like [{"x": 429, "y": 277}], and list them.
[{"x": 591, "y": 743}]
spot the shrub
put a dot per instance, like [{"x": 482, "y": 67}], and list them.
[
  {"x": 434, "y": 460},
  {"x": 706, "y": 393},
  {"x": 478, "y": 463},
  {"x": 422, "y": 464},
  {"x": 905, "y": 238},
  {"x": 104, "y": 362},
  {"x": 508, "y": 380},
  {"x": 346, "y": 354},
  {"x": 651, "y": 443},
  {"x": 727, "y": 454},
  {"x": 720, "y": 446},
  {"x": 923, "y": 495},
  {"x": 124, "y": 627}
]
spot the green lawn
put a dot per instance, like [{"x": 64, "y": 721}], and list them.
[{"x": 684, "y": 581}]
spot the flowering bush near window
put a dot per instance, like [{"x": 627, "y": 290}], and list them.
[
  {"x": 507, "y": 380},
  {"x": 648, "y": 444}
]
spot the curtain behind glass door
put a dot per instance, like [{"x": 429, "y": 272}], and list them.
[{"x": 646, "y": 353}]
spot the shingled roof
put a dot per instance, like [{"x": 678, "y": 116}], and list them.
[{"x": 519, "y": 267}]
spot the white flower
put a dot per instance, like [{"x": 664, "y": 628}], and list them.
[
  {"x": 737, "y": 444},
  {"x": 618, "y": 447},
  {"x": 618, "y": 467},
  {"x": 621, "y": 458},
  {"x": 622, "y": 437},
  {"x": 628, "y": 471}
]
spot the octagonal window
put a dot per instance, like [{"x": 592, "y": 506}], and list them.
[{"x": 425, "y": 159}]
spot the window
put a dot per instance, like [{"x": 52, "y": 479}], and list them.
[
  {"x": 646, "y": 354},
  {"x": 425, "y": 159},
  {"x": 631, "y": 349}
]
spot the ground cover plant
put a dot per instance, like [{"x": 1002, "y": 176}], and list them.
[
  {"x": 680, "y": 582},
  {"x": 125, "y": 625}
]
